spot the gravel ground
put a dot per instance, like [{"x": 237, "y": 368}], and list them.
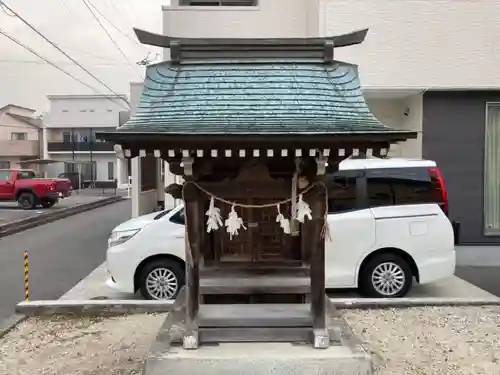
[
  {"x": 79, "y": 346},
  {"x": 413, "y": 341},
  {"x": 430, "y": 340}
]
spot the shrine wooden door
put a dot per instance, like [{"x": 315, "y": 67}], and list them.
[
  {"x": 268, "y": 240},
  {"x": 262, "y": 241}
]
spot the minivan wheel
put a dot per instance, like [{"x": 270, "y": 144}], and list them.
[
  {"x": 386, "y": 276},
  {"x": 161, "y": 280}
]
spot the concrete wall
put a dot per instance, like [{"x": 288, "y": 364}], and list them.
[
  {"x": 454, "y": 136},
  {"x": 87, "y": 111},
  {"x": 419, "y": 43},
  {"x": 271, "y": 18},
  {"x": 401, "y": 113}
]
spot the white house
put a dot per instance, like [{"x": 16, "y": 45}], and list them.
[
  {"x": 426, "y": 65},
  {"x": 69, "y": 136}
]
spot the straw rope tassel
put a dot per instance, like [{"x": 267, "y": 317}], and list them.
[{"x": 26, "y": 278}]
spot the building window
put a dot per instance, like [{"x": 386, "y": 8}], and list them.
[
  {"x": 216, "y": 3},
  {"x": 5, "y": 164},
  {"x": 111, "y": 170},
  {"x": 18, "y": 136},
  {"x": 492, "y": 171}
]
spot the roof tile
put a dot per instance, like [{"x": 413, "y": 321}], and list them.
[{"x": 258, "y": 98}]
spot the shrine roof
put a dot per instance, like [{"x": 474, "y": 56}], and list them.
[
  {"x": 246, "y": 98},
  {"x": 258, "y": 87}
]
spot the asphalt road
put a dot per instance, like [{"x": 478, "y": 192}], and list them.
[
  {"x": 487, "y": 278},
  {"x": 10, "y": 211},
  {"x": 60, "y": 254}
]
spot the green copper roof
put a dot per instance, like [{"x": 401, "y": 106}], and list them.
[{"x": 264, "y": 98}]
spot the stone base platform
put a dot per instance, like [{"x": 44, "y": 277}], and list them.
[
  {"x": 167, "y": 356},
  {"x": 259, "y": 359}
]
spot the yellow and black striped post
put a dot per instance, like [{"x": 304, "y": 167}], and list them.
[{"x": 26, "y": 278}]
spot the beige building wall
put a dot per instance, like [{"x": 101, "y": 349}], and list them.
[
  {"x": 13, "y": 150},
  {"x": 439, "y": 44},
  {"x": 270, "y": 19},
  {"x": 9, "y": 124}
]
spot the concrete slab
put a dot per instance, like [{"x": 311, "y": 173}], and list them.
[
  {"x": 259, "y": 359},
  {"x": 349, "y": 358},
  {"x": 94, "y": 286},
  {"x": 137, "y": 306},
  {"x": 485, "y": 278},
  {"x": 452, "y": 287}
]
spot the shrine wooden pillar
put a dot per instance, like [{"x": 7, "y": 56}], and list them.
[
  {"x": 312, "y": 230},
  {"x": 194, "y": 242}
]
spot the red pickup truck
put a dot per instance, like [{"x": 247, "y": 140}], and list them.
[{"x": 23, "y": 186}]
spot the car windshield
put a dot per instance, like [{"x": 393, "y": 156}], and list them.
[{"x": 161, "y": 214}]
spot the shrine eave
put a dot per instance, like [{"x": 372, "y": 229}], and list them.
[
  {"x": 164, "y": 41},
  {"x": 279, "y": 138}
]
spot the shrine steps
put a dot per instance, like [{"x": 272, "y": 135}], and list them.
[
  {"x": 297, "y": 335},
  {"x": 255, "y": 315},
  {"x": 254, "y": 281},
  {"x": 255, "y": 323}
]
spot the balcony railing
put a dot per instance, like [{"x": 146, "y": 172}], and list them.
[
  {"x": 79, "y": 146},
  {"x": 20, "y": 148}
]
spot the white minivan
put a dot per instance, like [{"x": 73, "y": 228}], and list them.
[{"x": 388, "y": 222}]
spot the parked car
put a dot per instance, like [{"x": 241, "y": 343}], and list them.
[
  {"x": 388, "y": 222},
  {"x": 23, "y": 186},
  {"x": 73, "y": 177}
]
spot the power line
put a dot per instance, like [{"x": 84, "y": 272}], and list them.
[
  {"x": 90, "y": 54},
  {"x": 133, "y": 40},
  {"x": 66, "y": 6},
  {"x": 22, "y": 61},
  {"x": 87, "y": 2},
  {"x": 4, "y": 10},
  {"x": 19, "y": 43},
  {"x": 59, "y": 49},
  {"x": 118, "y": 11}
]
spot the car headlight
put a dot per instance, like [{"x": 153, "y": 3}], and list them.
[{"x": 120, "y": 237}]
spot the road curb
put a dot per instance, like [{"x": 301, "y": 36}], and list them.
[
  {"x": 117, "y": 307},
  {"x": 35, "y": 221},
  {"x": 391, "y": 303},
  {"x": 90, "y": 307},
  {"x": 8, "y": 324}
]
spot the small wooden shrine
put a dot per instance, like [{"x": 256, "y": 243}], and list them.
[{"x": 253, "y": 126}]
